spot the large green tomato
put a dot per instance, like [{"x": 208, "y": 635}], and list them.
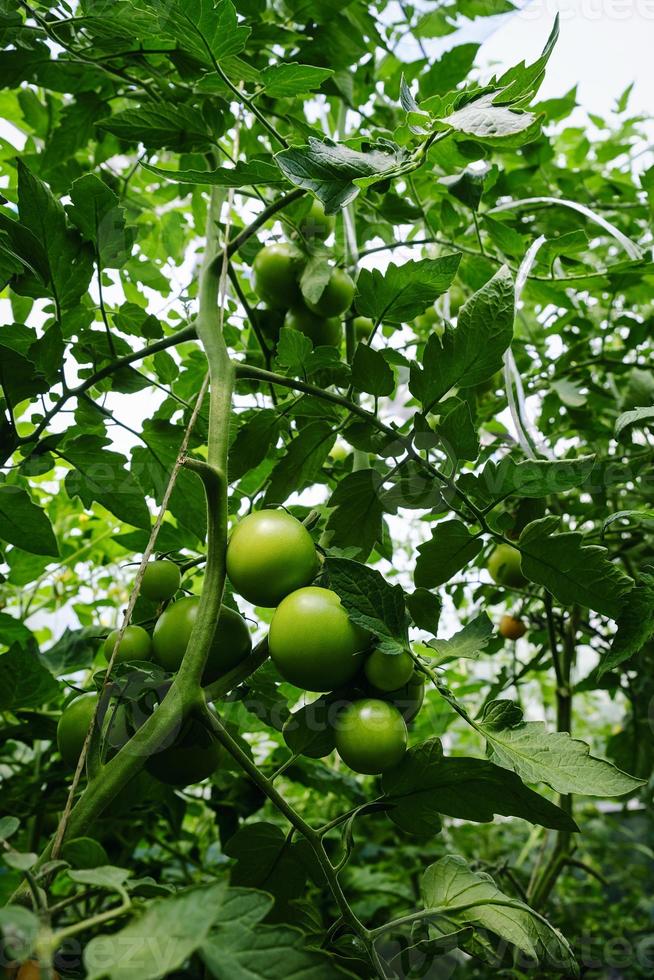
[
  {"x": 161, "y": 580},
  {"x": 275, "y": 273},
  {"x": 231, "y": 642},
  {"x": 363, "y": 327},
  {"x": 316, "y": 224},
  {"x": 312, "y": 641},
  {"x": 388, "y": 672},
  {"x": 190, "y": 759},
  {"x": 135, "y": 645},
  {"x": 269, "y": 554},
  {"x": 73, "y": 725},
  {"x": 337, "y": 295},
  {"x": 322, "y": 331},
  {"x": 371, "y": 736},
  {"x": 504, "y": 566}
]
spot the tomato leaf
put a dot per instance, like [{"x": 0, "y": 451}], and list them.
[
  {"x": 471, "y": 352},
  {"x": 427, "y": 784},
  {"x": 357, "y": 510},
  {"x": 371, "y": 602},
  {"x": 539, "y": 756},
  {"x": 451, "y": 548},
  {"x": 465, "y": 897},
  {"x": 23, "y": 523},
  {"x": 404, "y": 291},
  {"x": 329, "y": 170},
  {"x": 574, "y": 572}
]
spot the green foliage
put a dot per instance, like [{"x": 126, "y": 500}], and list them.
[{"x": 500, "y": 396}]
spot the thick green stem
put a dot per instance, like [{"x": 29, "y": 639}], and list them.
[
  {"x": 185, "y": 691},
  {"x": 214, "y": 724}
]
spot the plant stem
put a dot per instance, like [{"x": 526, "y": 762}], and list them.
[
  {"x": 249, "y": 371},
  {"x": 562, "y": 848},
  {"x": 214, "y": 724}
]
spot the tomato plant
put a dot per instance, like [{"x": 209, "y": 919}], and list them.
[{"x": 326, "y": 376}]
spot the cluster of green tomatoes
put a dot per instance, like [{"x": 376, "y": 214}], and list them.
[
  {"x": 271, "y": 562},
  {"x": 276, "y": 273}
]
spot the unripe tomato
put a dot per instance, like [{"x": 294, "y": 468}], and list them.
[
  {"x": 512, "y": 628},
  {"x": 275, "y": 272},
  {"x": 270, "y": 554},
  {"x": 312, "y": 641},
  {"x": 190, "y": 759},
  {"x": 161, "y": 580},
  {"x": 387, "y": 672},
  {"x": 316, "y": 224},
  {"x": 504, "y": 566},
  {"x": 73, "y": 726},
  {"x": 339, "y": 451},
  {"x": 409, "y": 698},
  {"x": 135, "y": 645},
  {"x": 363, "y": 327},
  {"x": 231, "y": 642},
  {"x": 426, "y": 321},
  {"x": 371, "y": 736},
  {"x": 337, "y": 295},
  {"x": 321, "y": 331}
]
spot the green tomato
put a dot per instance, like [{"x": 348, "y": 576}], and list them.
[
  {"x": 363, "y": 327},
  {"x": 312, "y": 641},
  {"x": 409, "y": 698},
  {"x": 269, "y": 554},
  {"x": 339, "y": 452},
  {"x": 73, "y": 725},
  {"x": 337, "y": 295},
  {"x": 275, "y": 273},
  {"x": 371, "y": 736},
  {"x": 192, "y": 757},
  {"x": 135, "y": 645},
  {"x": 316, "y": 224},
  {"x": 504, "y": 566},
  {"x": 387, "y": 672},
  {"x": 161, "y": 580},
  {"x": 322, "y": 331},
  {"x": 426, "y": 320},
  {"x": 231, "y": 642}
]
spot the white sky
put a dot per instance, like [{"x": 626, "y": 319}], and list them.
[{"x": 603, "y": 46}]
